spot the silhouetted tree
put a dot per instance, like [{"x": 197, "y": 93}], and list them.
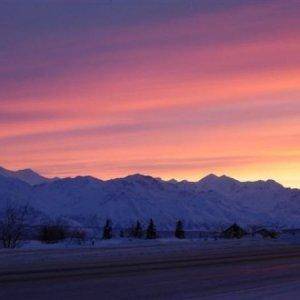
[
  {"x": 179, "y": 231},
  {"x": 151, "y": 230},
  {"x": 137, "y": 231},
  {"x": 12, "y": 225},
  {"x": 53, "y": 233},
  {"x": 107, "y": 230}
]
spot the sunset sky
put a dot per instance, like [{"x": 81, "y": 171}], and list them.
[{"x": 175, "y": 89}]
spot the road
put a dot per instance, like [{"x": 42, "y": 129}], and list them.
[{"x": 156, "y": 272}]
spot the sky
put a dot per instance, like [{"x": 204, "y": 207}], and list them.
[{"x": 174, "y": 89}]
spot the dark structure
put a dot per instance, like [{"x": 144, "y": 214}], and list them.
[
  {"x": 151, "y": 230},
  {"x": 179, "y": 231},
  {"x": 265, "y": 233},
  {"x": 234, "y": 231}
]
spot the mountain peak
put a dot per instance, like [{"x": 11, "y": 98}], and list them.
[
  {"x": 212, "y": 178},
  {"x": 267, "y": 183},
  {"x": 209, "y": 177},
  {"x": 27, "y": 175},
  {"x": 218, "y": 183},
  {"x": 138, "y": 177},
  {"x": 26, "y": 171}
]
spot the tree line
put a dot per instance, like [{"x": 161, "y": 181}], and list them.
[
  {"x": 138, "y": 232},
  {"x": 13, "y": 224}
]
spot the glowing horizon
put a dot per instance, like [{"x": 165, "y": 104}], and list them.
[{"x": 176, "y": 90}]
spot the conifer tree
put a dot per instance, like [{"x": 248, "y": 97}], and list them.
[
  {"x": 107, "y": 230},
  {"x": 151, "y": 230},
  {"x": 137, "y": 231},
  {"x": 179, "y": 231}
]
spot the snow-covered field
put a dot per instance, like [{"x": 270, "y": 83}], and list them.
[
  {"x": 153, "y": 269},
  {"x": 164, "y": 244},
  {"x": 285, "y": 239}
]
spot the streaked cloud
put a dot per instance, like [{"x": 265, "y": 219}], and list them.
[{"x": 173, "y": 80}]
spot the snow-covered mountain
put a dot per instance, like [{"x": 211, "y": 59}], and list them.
[
  {"x": 209, "y": 203},
  {"x": 26, "y": 175}
]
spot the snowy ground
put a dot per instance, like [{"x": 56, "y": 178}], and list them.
[
  {"x": 31, "y": 252},
  {"x": 158, "y": 269},
  {"x": 125, "y": 242}
]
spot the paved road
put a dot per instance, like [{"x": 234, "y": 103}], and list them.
[{"x": 238, "y": 273}]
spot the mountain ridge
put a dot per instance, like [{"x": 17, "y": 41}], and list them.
[
  {"x": 208, "y": 203},
  {"x": 23, "y": 173}
]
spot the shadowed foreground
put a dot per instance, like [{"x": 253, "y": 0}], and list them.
[{"x": 147, "y": 272}]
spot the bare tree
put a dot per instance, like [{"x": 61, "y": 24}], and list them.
[{"x": 12, "y": 225}]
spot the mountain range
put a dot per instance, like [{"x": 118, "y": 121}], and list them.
[{"x": 210, "y": 203}]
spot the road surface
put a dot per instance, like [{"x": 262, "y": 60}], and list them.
[{"x": 152, "y": 272}]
